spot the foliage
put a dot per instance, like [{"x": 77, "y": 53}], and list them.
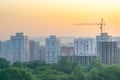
[
  {"x": 64, "y": 70},
  {"x": 64, "y": 65},
  {"x": 95, "y": 64},
  {"x": 4, "y": 63},
  {"x": 93, "y": 74},
  {"x": 35, "y": 64},
  {"x": 78, "y": 73},
  {"x": 15, "y": 74}
]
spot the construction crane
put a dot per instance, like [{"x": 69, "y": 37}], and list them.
[{"x": 101, "y": 24}]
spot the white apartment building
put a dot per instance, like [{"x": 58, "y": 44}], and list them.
[
  {"x": 84, "y": 46},
  {"x": 85, "y": 51}
]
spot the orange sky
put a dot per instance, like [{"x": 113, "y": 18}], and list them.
[{"x": 47, "y": 17}]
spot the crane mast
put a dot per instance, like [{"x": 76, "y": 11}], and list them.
[{"x": 101, "y": 25}]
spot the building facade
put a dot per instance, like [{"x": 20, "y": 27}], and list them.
[
  {"x": 15, "y": 49},
  {"x": 108, "y": 49},
  {"x": 85, "y": 51},
  {"x": 34, "y": 48},
  {"x": 83, "y": 60},
  {"x": 66, "y": 51},
  {"x": 85, "y": 46},
  {"x": 102, "y": 37},
  {"x": 20, "y": 48},
  {"x": 109, "y": 53},
  {"x": 5, "y": 50},
  {"x": 52, "y": 50},
  {"x": 42, "y": 53}
]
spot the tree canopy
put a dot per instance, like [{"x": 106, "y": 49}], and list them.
[{"x": 64, "y": 70}]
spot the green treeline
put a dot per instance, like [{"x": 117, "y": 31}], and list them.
[{"x": 64, "y": 70}]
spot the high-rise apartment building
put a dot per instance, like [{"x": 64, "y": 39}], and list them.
[
  {"x": 108, "y": 49},
  {"x": 84, "y": 46},
  {"x": 85, "y": 51},
  {"x": 42, "y": 53},
  {"x": 52, "y": 49},
  {"x": 19, "y": 48},
  {"x": 103, "y": 37},
  {"x": 15, "y": 49},
  {"x": 117, "y": 39},
  {"x": 6, "y": 50},
  {"x": 109, "y": 52}
]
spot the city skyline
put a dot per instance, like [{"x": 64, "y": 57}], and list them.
[
  {"x": 104, "y": 47},
  {"x": 43, "y": 17}
]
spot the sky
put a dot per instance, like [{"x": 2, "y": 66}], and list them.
[{"x": 56, "y": 17}]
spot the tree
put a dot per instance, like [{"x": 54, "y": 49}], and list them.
[
  {"x": 35, "y": 64},
  {"x": 17, "y": 64},
  {"x": 40, "y": 70},
  {"x": 94, "y": 74},
  {"x": 95, "y": 64},
  {"x": 53, "y": 75},
  {"x": 15, "y": 74},
  {"x": 64, "y": 65},
  {"x": 78, "y": 73},
  {"x": 74, "y": 64},
  {"x": 4, "y": 63},
  {"x": 111, "y": 72}
]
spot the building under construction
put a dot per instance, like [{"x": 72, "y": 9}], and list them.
[{"x": 108, "y": 49}]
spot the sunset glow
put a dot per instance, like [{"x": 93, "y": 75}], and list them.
[{"x": 46, "y": 17}]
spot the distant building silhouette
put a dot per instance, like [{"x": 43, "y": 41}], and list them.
[
  {"x": 66, "y": 51},
  {"x": 42, "y": 53},
  {"x": 34, "y": 48},
  {"x": 6, "y": 50}
]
